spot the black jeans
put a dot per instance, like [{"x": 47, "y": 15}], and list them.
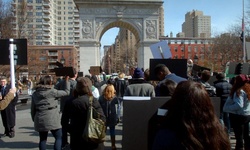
[{"x": 240, "y": 125}]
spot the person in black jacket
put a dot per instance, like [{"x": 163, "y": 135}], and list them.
[
  {"x": 76, "y": 111},
  {"x": 107, "y": 102},
  {"x": 9, "y": 113},
  {"x": 120, "y": 87},
  {"x": 223, "y": 88}
]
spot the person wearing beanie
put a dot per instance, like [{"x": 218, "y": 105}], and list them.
[
  {"x": 77, "y": 110},
  {"x": 138, "y": 86}
]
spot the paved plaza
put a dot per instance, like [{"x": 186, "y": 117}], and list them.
[{"x": 27, "y": 139}]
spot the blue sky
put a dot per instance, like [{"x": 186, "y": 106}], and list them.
[{"x": 223, "y": 14}]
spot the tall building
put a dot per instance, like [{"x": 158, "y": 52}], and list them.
[
  {"x": 197, "y": 25},
  {"x": 46, "y": 22},
  {"x": 128, "y": 48}
]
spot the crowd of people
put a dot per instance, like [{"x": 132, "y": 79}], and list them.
[{"x": 190, "y": 122}]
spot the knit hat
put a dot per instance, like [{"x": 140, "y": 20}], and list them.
[
  {"x": 83, "y": 86},
  {"x": 241, "y": 79},
  {"x": 138, "y": 73}
]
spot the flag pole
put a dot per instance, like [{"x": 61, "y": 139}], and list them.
[{"x": 244, "y": 38}]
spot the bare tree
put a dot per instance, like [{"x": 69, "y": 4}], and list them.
[
  {"x": 226, "y": 47},
  {"x": 5, "y": 20},
  {"x": 22, "y": 19}
]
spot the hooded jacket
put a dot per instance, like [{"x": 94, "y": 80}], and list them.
[{"x": 44, "y": 107}]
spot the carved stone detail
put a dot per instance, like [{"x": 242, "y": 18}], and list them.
[
  {"x": 118, "y": 10},
  {"x": 87, "y": 29},
  {"x": 99, "y": 11},
  {"x": 99, "y": 22},
  {"x": 141, "y": 11},
  {"x": 138, "y": 23},
  {"x": 151, "y": 29}
]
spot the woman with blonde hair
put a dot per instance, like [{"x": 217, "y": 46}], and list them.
[{"x": 107, "y": 101}]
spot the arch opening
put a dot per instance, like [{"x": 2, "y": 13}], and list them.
[{"x": 120, "y": 24}]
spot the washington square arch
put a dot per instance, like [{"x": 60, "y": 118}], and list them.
[{"x": 141, "y": 17}]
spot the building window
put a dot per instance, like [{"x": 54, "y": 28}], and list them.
[
  {"x": 189, "y": 49},
  {"x": 30, "y": 7},
  {"x": 30, "y": 1},
  {"x": 38, "y": 7},
  {"x": 38, "y": 1},
  {"x": 30, "y": 13},
  {"x": 42, "y": 58},
  {"x": 202, "y": 49},
  {"x": 38, "y": 13},
  {"x": 38, "y": 43},
  {"x": 182, "y": 49},
  {"x": 175, "y": 49},
  {"x": 39, "y": 20},
  {"x": 195, "y": 49}
]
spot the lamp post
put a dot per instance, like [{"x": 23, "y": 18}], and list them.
[{"x": 109, "y": 64}]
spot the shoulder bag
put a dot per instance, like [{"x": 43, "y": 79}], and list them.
[{"x": 95, "y": 129}]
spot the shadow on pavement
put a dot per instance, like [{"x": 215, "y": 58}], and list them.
[{"x": 18, "y": 145}]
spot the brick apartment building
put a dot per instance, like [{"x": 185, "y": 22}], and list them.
[{"x": 42, "y": 59}]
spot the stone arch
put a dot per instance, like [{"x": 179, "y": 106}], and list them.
[{"x": 141, "y": 17}]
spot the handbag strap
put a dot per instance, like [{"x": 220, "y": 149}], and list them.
[
  {"x": 91, "y": 100},
  {"x": 91, "y": 106}
]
